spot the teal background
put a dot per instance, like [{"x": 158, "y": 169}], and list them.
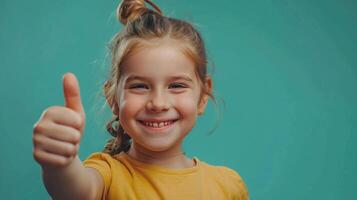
[{"x": 286, "y": 70}]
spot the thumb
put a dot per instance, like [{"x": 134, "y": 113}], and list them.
[{"x": 72, "y": 94}]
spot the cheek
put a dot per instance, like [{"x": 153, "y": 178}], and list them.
[
  {"x": 129, "y": 106},
  {"x": 187, "y": 105}
]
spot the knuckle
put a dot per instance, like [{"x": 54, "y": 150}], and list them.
[
  {"x": 50, "y": 111},
  {"x": 35, "y": 125},
  {"x": 77, "y": 120},
  {"x": 36, "y": 155},
  {"x": 76, "y": 136},
  {"x": 38, "y": 128},
  {"x": 70, "y": 150},
  {"x": 37, "y": 140}
]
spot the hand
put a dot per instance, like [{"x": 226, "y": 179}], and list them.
[{"x": 57, "y": 134}]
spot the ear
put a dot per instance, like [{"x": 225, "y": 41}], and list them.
[
  {"x": 204, "y": 96},
  {"x": 110, "y": 100}
]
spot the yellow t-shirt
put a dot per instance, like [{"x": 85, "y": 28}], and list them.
[{"x": 126, "y": 178}]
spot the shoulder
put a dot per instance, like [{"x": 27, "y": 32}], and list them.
[
  {"x": 99, "y": 156},
  {"x": 114, "y": 170},
  {"x": 222, "y": 171},
  {"x": 106, "y": 161},
  {"x": 108, "y": 166},
  {"x": 230, "y": 179},
  {"x": 103, "y": 162}
]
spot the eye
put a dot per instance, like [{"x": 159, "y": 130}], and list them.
[
  {"x": 177, "y": 85},
  {"x": 138, "y": 86}
]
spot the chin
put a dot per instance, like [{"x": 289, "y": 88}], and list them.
[{"x": 158, "y": 148}]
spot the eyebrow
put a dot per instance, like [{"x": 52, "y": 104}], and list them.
[{"x": 143, "y": 78}]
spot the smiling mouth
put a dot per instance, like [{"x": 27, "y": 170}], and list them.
[{"x": 157, "y": 124}]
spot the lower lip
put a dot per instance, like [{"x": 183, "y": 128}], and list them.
[{"x": 158, "y": 129}]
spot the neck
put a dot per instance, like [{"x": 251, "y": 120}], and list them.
[{"x": 173, "y": 158}]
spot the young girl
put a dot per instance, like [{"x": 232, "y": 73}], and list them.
[{"x": 157, "y": 87}]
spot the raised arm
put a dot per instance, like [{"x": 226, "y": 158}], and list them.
[{"x": 56, "y": 138}]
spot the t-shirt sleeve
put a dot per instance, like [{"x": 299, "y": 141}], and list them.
[
  {"x": 101, "y": 163},
  {"x": 240, "y": 188}
]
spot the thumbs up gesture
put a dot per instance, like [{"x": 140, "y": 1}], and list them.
[{"x": 57, "y": 134}]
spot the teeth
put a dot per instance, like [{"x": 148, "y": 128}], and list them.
[{"x": 158, "y": 124}]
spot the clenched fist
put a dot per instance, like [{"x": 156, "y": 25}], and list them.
[{"x": 57, "y": 134}]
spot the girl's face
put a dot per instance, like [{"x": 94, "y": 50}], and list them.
[{"x": 159, "y": 97}]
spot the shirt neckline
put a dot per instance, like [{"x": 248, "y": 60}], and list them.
[{"x": 161, "y": 169}]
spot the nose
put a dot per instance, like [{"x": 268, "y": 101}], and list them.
[{"x": 158, "y": 102}]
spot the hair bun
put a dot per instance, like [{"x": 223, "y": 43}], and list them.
[{"x": 129, "y": 10}]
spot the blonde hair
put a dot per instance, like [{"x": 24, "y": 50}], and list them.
[{"x": 143, "y": 25}]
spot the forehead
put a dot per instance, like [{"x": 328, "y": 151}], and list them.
[{"x": 156, "y": 61}]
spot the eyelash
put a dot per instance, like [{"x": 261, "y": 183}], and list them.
[
  {"x": 138, "y": 86},
  {"x": 144, "y": 86},
  {"x": 177, "y": 85}
]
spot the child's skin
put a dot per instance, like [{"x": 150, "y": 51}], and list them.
[
  {"x": 158, "y": 84},
  {"x": 166, "y": 88},
  {"x": 56, "y": 138}
]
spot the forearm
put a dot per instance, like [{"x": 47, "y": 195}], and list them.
[{"x": 70, "y": 182}]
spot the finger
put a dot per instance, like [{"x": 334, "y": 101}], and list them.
[
  {"x": 62, "y": 115},
  {"x": 45, "y": 158},
  {"x": 54, "y": 146},
  {"x": 72, "y": 93},
  {"x": 58, "y": 132}
]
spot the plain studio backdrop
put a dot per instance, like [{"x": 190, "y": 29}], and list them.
[{"x": 286, "y": 70}]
